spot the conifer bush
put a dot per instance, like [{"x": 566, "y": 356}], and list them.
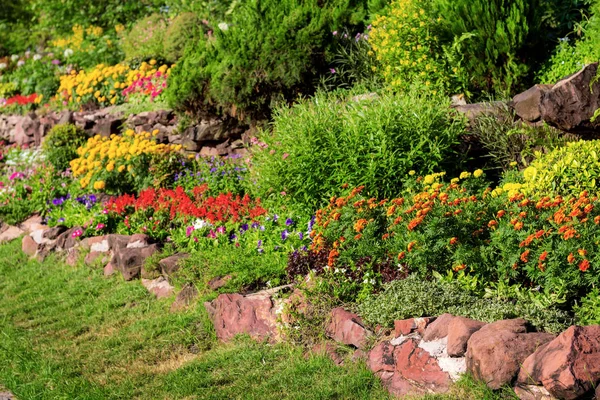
[{"x": 270, "y": 51}]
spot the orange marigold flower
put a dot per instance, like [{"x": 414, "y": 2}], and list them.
[
  {"x": 336, "y": 216},
  {"x": 543, "y": 256},
  {"x": 500, "y": 214},
  {"x": 453, "y": 241},
  {"x": 457, "y": 211},
  {"x": 459, "y": 267},
  {"x": 539, "y": 233},
  {"x": 541, "y": 266},
  {"x": 559, "y": 217},
  {"x": 582, "y": 252},
  {"x": 514, "y": 266},
  {"x": 414, "y": 223},
  {"x": 518, "y": 226},
  {"x": 358, "y": 204},
  {"x": 345, "y": 186},
  {"x": 397, "y": 220},
  {"x": 357, "y": 237},
  {"x": 597, "y": 220},
  {"x": 570, "y": 233},
  {"x": 385, "y": 236},
  {"x": 576, "y": 212},
  {"x": 525, "y": 255},
  {"x": 585, "y": 193},
  {"x": 391, "y": 210},
  {"x": 571, "y": 258},
  {"x": 360, "y": 225},
  {"x": 527, "y": 241},
  {"x": 342, "y": 239},
  {"x": 588, "y": 209},
  {"x": 584, "y": 265},
  {"x": 492, "y": 224},
  {"x": 524, "y": 203},
  {"x": 401, "y": 255},
  {"x": 522, "y": 214},
  {"x": 341, "y": 202},
  {"x": 411, "y": 246}
]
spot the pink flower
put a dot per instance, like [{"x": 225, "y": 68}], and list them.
[
  {"x": 221, "y": 229},
  {"x": 100, "y": 226},
  {"x": 76, "y": 233},
  {"x": 189, "y": 231},
  {"x": 285, "y": 155},
  {"x": 212, "y": 234},
  {"x": 283, "y": 193}
]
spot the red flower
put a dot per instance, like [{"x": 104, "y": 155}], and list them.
[{"x": 584, "y": 265}]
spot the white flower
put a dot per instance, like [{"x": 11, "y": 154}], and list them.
[
  {"x": 223, "y": 26},
  {"x": 37, "y": 57},
  {"x": 20, "y": 63},
  {"x": 3, "y": 65},
  {"x": 27, "y": 53},
  {"x": 199, "y": 224},
  {"x": 68, "y": 53},
  {"x": 14, "y": 57}
]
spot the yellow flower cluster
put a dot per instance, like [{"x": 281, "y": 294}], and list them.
[
  {"x": 404, "y": 46},
  {"x": 104, "y": 84},
  {"x": 102, "y": 157},
  {"x": 75, "y": 41}
]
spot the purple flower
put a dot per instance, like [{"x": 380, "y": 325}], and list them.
[
  {"x": 259, "y": 243},
  {"x": 56, "y": 62},
  {"x": 284, "y": 234},
  {"x": 301, "y": 235},
  {"x": 233, "y": 237},
  {"x": 262, "y": 228},
  {"x": 311, "y": 223},
  {"x": 303, "y": 248},
  {"x": 60, "y": 220},
  {"x": 260, "y": 250},
  {"x": 289, "y": 222},
  {"x": 275, "y": 218},
  {"x": 244, "y": 228},
  {"x": 254, "y": 225},
  {"x": 332, "y": 70},
  {"x": 189, "y": 231}
]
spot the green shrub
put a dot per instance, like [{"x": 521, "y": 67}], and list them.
[
  {"x": 572, "y": 53},
  {"x": 415, "y": 297},
  {"x": 566, "y": 170},
  {"x": 324, "y": 142},
  {"x": 61, "y": 144},
  {"x": 182, "y": 29},
  {"x": 405, "y": 43},
  {"x": 272, "y": 50},
  {"x": 145, "y": 40},
  {"x": 490, "y": 44},
  {"x": 588, "y": 312},
  {"x": 506, "y": 141}
]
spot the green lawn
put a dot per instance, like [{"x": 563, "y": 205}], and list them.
[{"x": 71, "y": 333}]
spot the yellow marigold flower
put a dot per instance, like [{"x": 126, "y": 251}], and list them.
[
  {"x": 464, "y": 175},
  {"x": 411, "y": 172},
  {"x": 477, "y": 173},
  {"x": 121, "y": 168},
  {"x": 99, "y": 185},
  {"x": 429, "y": 179}
]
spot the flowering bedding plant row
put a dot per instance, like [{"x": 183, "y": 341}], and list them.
[
  {"x": 548, "y": 242},
  {"x": 190, "y": 219}
]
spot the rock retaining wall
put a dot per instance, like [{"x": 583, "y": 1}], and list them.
[{"x": 208, "y": 137}]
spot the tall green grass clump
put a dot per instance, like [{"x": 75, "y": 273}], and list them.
[{"x": 321, "y": 143}]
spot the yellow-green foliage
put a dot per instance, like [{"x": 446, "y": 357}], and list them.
[
  {"x": 567, "y": 170},
  {"x": 404, "y": 42}
]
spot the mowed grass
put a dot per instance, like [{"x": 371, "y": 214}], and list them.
[{"x": 70, "y": 333}]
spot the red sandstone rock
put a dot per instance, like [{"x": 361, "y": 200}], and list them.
[
  {"x": 159, "y": 287},
  {"x": 185, "y": 297},
  {"x": 234, "y": 314},
  {"x": 347, "y": 328},
  {"x": 219, "y": 281},
  {"x": 29, "y": 246},
  {"x": 407, "y": 326},
  {"x": 568, "y": 366},
  {"x": 109, "y": 269},
  {"x": 11, "y": 234},
  {"x": 496, "y": 351},
  {"x": 170, "y": 265},
  {"x": 532, "y": 392},
  {"x": 129, "y": 261},
  {"x": 138, "y": 240},
  {"x": 439, "y": 328},
  {"x": 460, "y": 330},
  {"x": 93, "y": 256}
]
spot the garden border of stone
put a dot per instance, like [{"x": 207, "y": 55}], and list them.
[{"x": 419, "y": 356}]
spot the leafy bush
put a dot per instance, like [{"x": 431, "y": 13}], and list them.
[
  {"x": 145, "y": 40},
  {"x": 572, "y": 53},
  {"x": 32, "y": 75},
  {"x": 321, "y": 143},
  {"x": 405, "y": 43},
  {"x": 271, "y": 51},
  {"x": 588, "y": 311},
  {"x": 184, "y": 28},
  {"x": 490, "y": 44},
  {"x": 61, "y": 144},
  {"x": 415, "y": 297},
  {"x": 506, "y": 141},
  {"x": 565, "y": 170}
]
